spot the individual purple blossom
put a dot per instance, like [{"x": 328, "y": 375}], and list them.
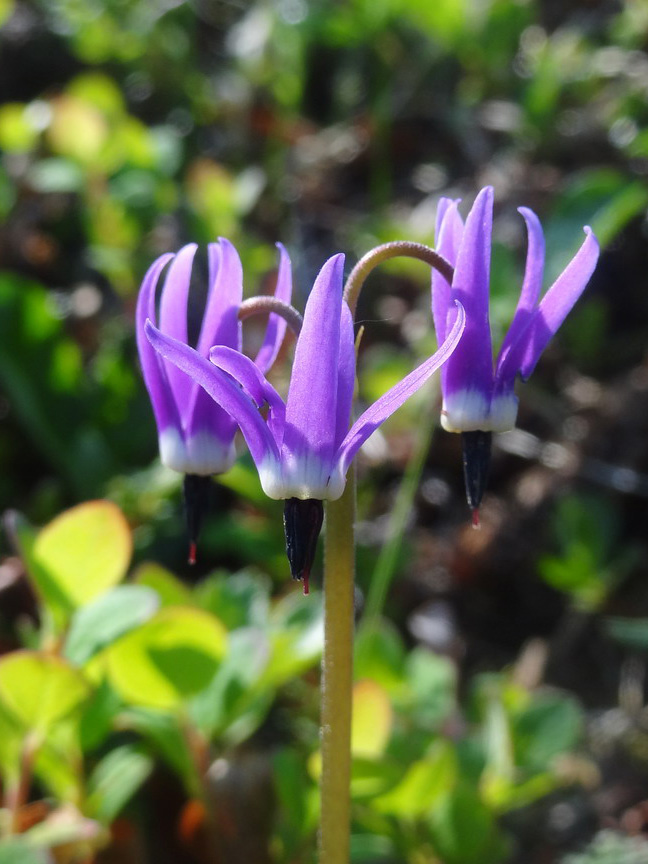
[
  {"x": 196, "y": 436},
  {"x": 479, "y": 397},
  {"x": 304, "y": 448}
]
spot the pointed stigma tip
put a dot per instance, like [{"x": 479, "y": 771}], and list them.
[
  {"x": 306, "y": 583},
  {"x": 475, "y": 518},
  {"x": 192, "y": 553}
]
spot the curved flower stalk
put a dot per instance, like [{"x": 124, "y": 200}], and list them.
[
  {"x": 196, "y": 436},
  {"x": 479, "y": 397},
  {"x": 304, "y": 448}
]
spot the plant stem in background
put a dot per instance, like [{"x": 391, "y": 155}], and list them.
[
  {"x": 18, "y": 792},
  {"x": 337, "y": 675},
  {"x": 387, "y": 563}
]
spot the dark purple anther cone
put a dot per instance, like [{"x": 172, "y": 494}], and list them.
[
  {"x": 302, "y": 525},
  {"x": 476, "y": 464},
  {"x": 196, "y": 489}
]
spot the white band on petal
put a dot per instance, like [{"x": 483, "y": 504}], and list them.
[
  {"x": 471, "y": 411},
  {"x": 301, "y": 477},
  {"x": 203, "y": 454}
]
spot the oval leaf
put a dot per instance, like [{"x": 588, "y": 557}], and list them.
[
  {"x": 106, "y": 619},
  {"x": 82, "y": 553},
  {"x": 38, "y": 689},
  {"x": 174, "y": 655}
]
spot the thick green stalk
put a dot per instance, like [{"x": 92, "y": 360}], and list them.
[{"x": 337, "y": 677}]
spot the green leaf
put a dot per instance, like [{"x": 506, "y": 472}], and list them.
[
  {"x": 103, "y": 621},
  {"x": 464, "y": 831},
  {"x": 372, "y": 719},
  {"x": 552, "y": 725},
  {"x": 173, "y": 656},
  {"x": 40, "y": 689},
  {"x": 20, "y": 851},
  {"x": 380, "y": 654},
  {"x": 423, "y": 785},
  {"x": 82, "y": 553},
  {"x": 115, "y": 780},
  {"x": 237, "y": 599},
  {"x": 168, "y": 587},
  {"x": 233, "y": 705}
]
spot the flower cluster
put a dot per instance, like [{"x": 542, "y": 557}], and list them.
[{"x": 303, "y": 446}]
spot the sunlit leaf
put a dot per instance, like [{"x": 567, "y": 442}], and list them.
[
  {"x": 107, "y": 618},
  {"x": 82, "y": 553},
  {"x": 40, "y": 689},
  {"x": 171, "y": 657},
  {"x": 372, "y": 719}
]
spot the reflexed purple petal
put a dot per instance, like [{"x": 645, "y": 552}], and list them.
[
  {"x": 153, "y": 368},
  {"x": 346, "y": 375},
  {"x": 312, "y": 394},
  {"x": 558, "y": 301},
  {"x": 470, "y": 367},
  {"x": 252, "y": 380},
  {"x": 394, "y": 398},
  {"x": 448, "y": 235},
  {"x": 173, "y": 318},
  {"x": 213, "y": 264},
  {"x": 276, "y": 329},
  {"x": 220, "y": 324},
  {"x": 533, "y": 273},
  {"x": 223, "y": 390}
]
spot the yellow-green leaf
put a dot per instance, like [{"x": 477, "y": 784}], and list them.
[
  {"x": 82, "y": 553},
  {"x": 171, "y": 657},
  {"x": 38, "y": 689},
  {"x": 372, "y": 719}
]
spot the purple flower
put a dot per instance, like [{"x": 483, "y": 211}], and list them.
[
  {"x": 196, "y": 436},
  {"x": 305, "y": 446},
  {"x": 479, "y": 397}
]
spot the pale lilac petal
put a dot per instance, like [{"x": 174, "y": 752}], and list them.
[
  {"x": 220, "y": 325},
  {"x": 153, "y": 367},
  {"x": 470, "y": 367},
  {"x": 449, "y": 230},
  {"x": 222, "y": 390},
  {"x": 311, "y": 407},
  {"x": 558, "y": 302},
  {"x": 173, "y": 318},
  {"x": 533, "y": 273},
  {"x": 346, "y": 375},
  {"x": 276, "y": 329},
  {"x": 252, "y": 380},
  {"x": 377, "y": 413}
]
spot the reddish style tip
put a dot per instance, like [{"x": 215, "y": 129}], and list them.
[
  {"x": 305, "y": 579},
  {"x": 475, "y": 518},
  {"x": 192, "y": 553}
]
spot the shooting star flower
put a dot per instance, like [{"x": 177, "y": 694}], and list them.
[
  {"x": 196, "y": 436},
  {"x": 479, "y": 398},
  {"x": 304, "y": 448}
]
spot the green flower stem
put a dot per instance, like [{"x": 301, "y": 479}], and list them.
[
  {"x": 339, "y": 572},
  {"x": 337, "y": 677},
  {"x": 387, "y": 563}
]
